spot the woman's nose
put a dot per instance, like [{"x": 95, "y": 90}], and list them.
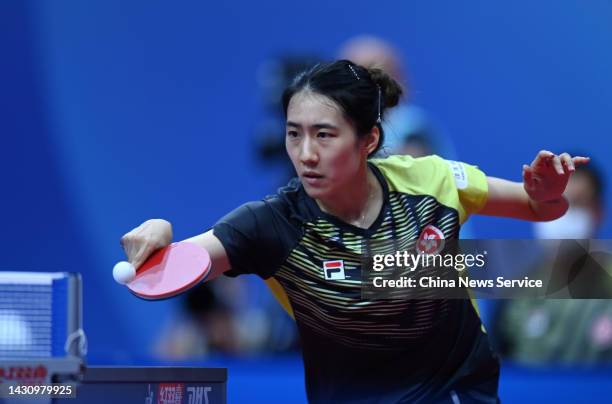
[{"x": 308, "y": 152}]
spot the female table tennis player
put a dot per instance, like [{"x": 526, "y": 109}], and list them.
[{"x": 357, "y": 350}]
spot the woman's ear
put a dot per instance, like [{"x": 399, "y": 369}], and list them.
[{"x": 371, "y": 140}]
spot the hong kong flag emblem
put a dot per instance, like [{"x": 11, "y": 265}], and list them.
[{"x": 431, "y": 240}]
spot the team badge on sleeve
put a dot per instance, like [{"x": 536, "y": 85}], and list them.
[{"x": 333, "y": 270}]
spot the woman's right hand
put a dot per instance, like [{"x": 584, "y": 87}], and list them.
[{"x": 145, "y": 239}]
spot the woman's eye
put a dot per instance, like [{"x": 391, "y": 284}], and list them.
[
  {"x": 323, "y": 135},
  {"x": 292, "y": 133}
]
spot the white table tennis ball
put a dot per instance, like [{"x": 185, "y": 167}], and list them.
[{"x": 124, "y": 272}]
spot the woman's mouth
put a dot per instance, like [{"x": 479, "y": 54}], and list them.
[{"x": 312, "y": 178}]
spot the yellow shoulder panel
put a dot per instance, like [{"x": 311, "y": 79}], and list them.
[
  {"x": 454, "y": 184},
  {"x": 281, "y": 296}
]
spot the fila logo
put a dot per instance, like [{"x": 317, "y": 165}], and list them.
[
  {"x": 431, "y": 240},
  {"x": 333, "y": 270}
]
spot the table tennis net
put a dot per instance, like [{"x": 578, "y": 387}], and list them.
[{"x": 40, "y": 315}]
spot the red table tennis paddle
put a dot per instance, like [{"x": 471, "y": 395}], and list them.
[{"x": 171, "y": 271}]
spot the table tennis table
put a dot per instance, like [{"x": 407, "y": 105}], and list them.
[{"x": 42, "y": 343}]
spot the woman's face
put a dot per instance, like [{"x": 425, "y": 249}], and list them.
[{"x": 322, "y": 144}]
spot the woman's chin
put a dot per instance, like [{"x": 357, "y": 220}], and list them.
[{"x": 315, "y": 192}]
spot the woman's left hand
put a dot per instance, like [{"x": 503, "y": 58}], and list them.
[{"x": 547, "y": 176}]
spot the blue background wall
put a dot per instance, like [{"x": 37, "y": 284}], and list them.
[{"x": 112, "y": 112}]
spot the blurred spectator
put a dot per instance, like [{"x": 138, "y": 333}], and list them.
[
  {"x": 273, "y": 76},
  {"x": 204, "y": 326},
  {"x": 408, "y": 128},
  {"x": 585, "y": 215},
  {"x": 228, "y": 317},
  {"x": 565, "y": 330}
]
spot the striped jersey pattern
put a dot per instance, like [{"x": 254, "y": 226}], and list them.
[
  {"x": 335, "y": 308},
  {"x": 312, "y": 262}
]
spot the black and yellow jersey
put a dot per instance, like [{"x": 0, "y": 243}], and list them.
[{"x": 356, "y": 349}]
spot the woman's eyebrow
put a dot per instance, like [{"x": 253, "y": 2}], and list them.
[
  {"x": 324, "y": 126},
  {"x": 290, "y": 123},
  {"x": 316, "y": 125}
]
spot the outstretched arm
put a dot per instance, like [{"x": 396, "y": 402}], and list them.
[
  {"x": 218, "y": 256},
  {"x": 153, "y": 234},
  {"x": 540, "y": 196}
]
